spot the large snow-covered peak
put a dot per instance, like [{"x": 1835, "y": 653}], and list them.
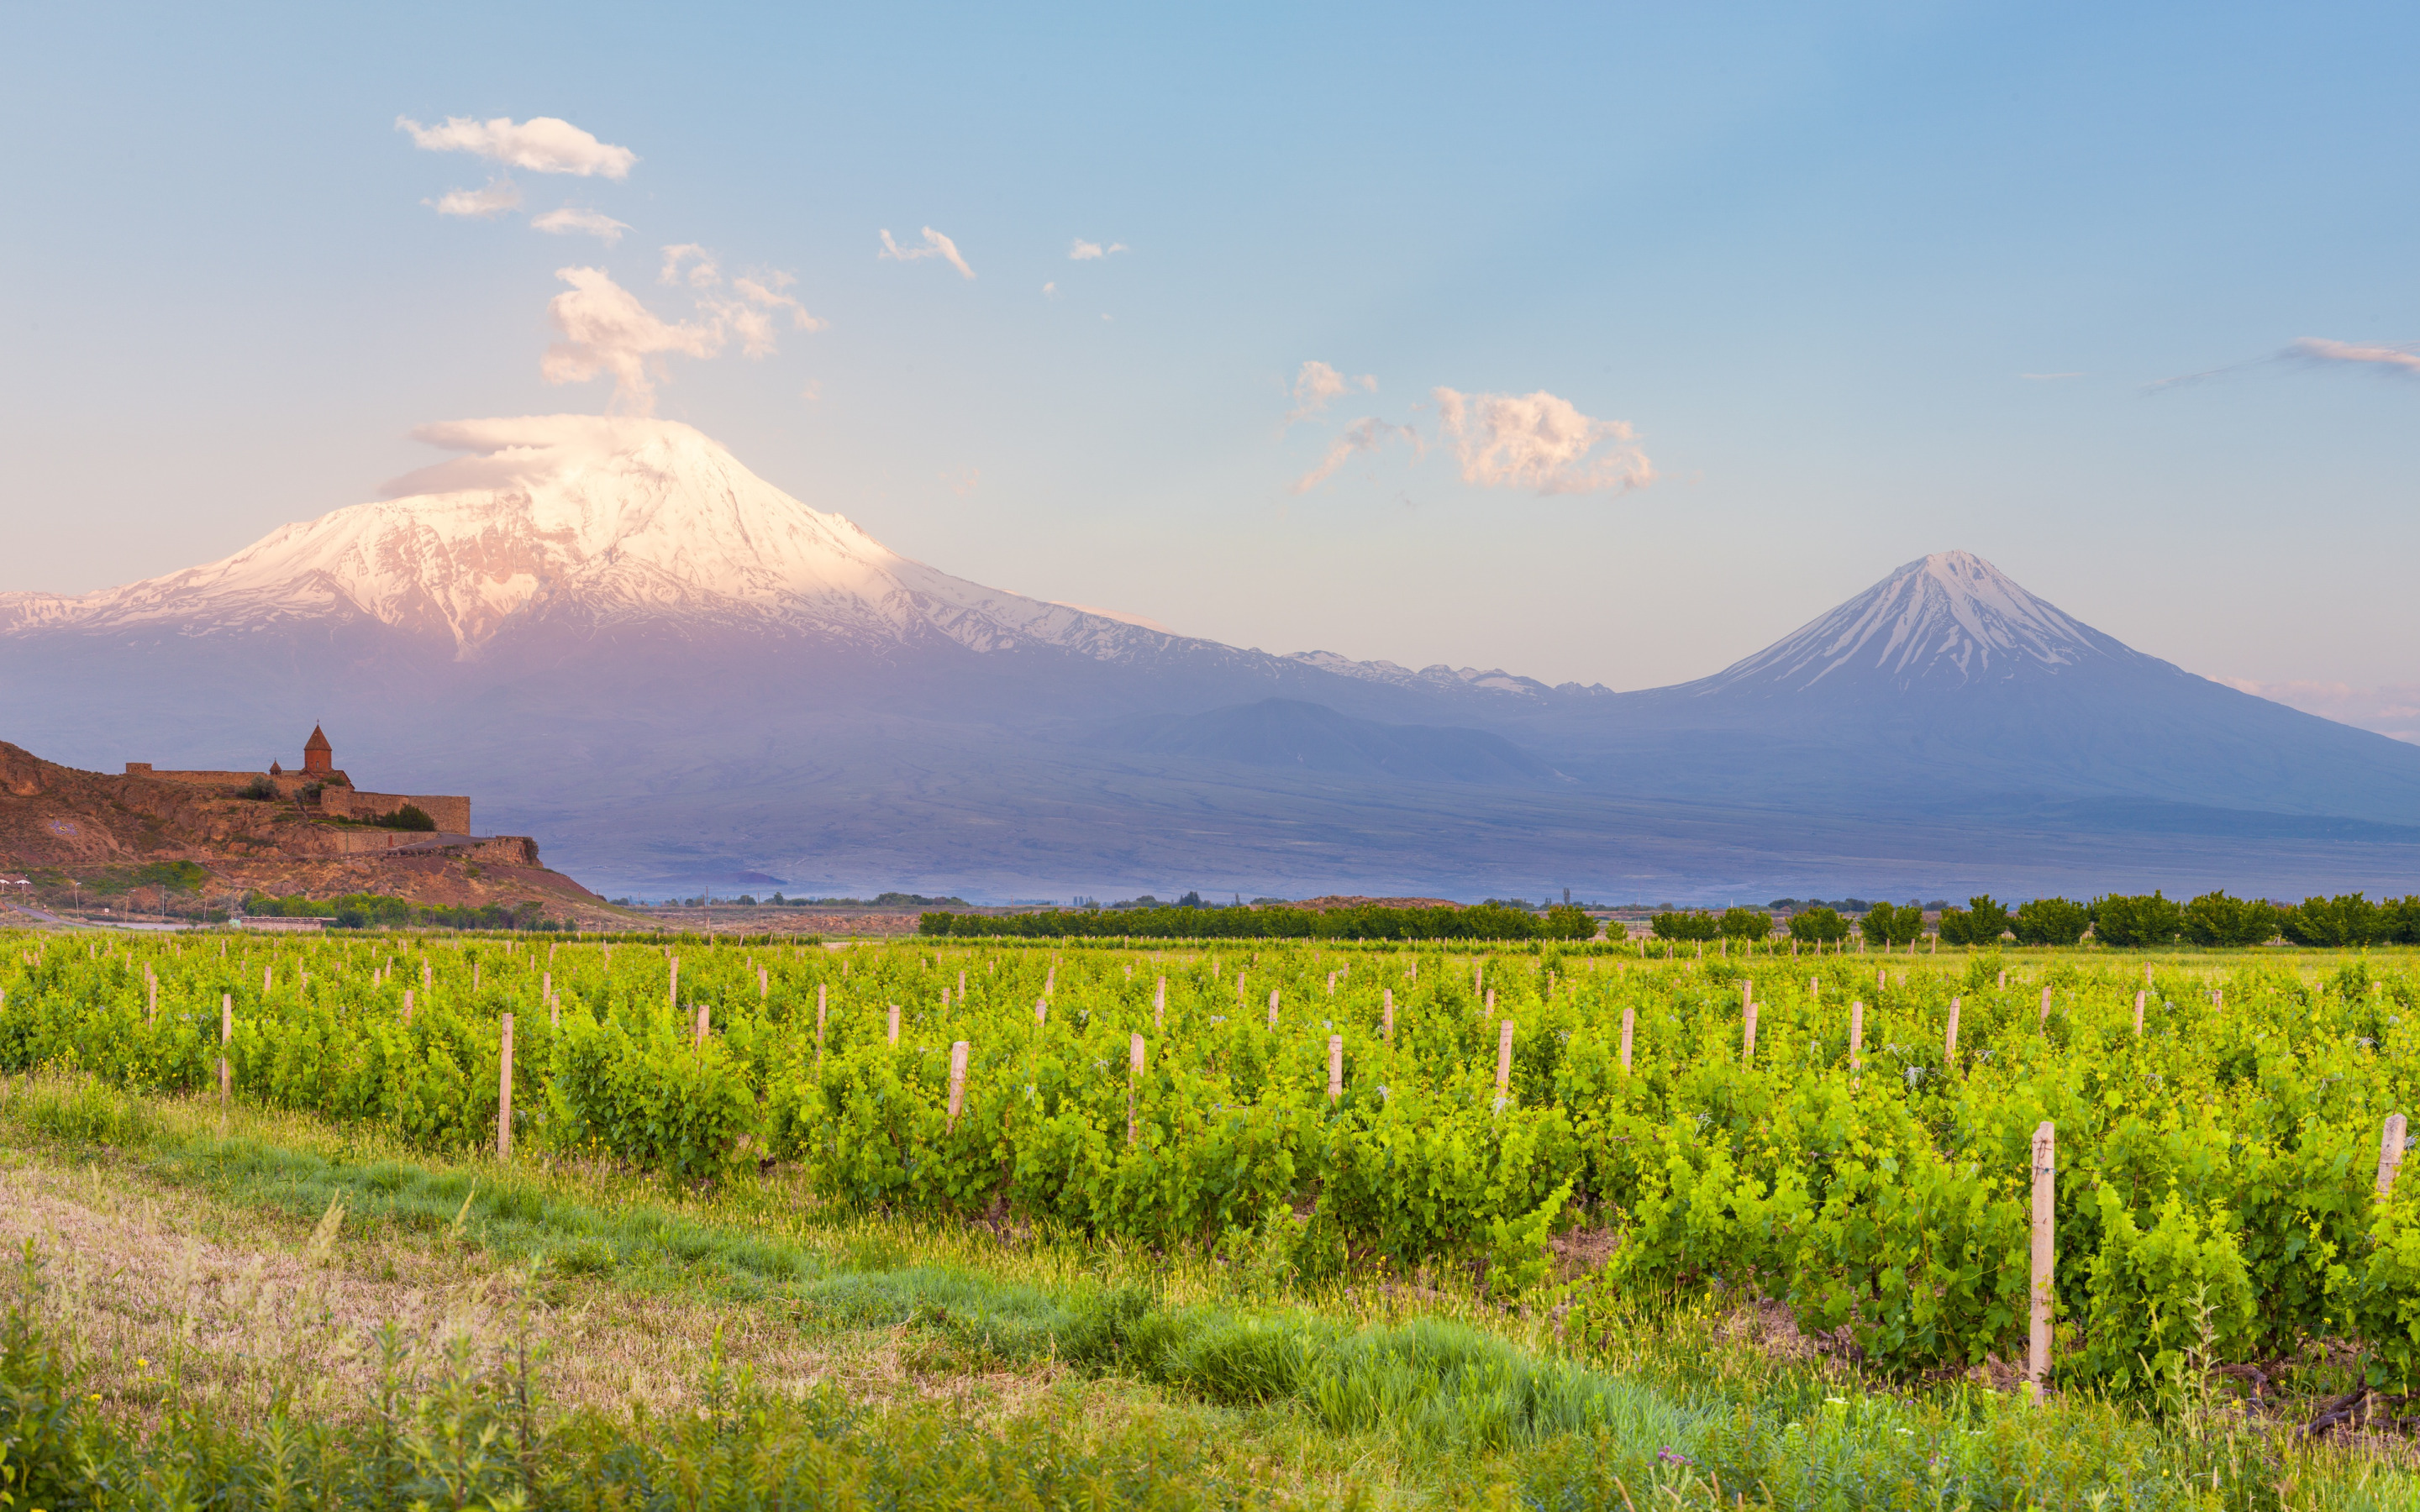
[
  {"x": 608, "y": 519},
  {"x": 1947, "y": 621}
]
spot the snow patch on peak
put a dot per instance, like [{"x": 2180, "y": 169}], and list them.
[{"x": 1944, "y": 621}]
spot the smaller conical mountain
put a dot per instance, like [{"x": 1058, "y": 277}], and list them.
[{"x": 1941, "y": 622}]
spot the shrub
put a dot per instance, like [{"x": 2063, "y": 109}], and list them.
[
  {"x": 1982, "y": 921},
  {"x": 1566, "y": 922},
  {"x": 411, "y": 816},
  {"x": 2136, "y": 922},
  {"x": 259, "y": 789},
  {"x": 2215, "y": 919},
  {"x": 1820, "y": 925},
  {"x": 1695, "y": 925},
  {"x": 1745, "y": 924},
  {"x": 2348, "y": 919},
  {"x": 2051, "y": 921},
  {"x": 1889, "y": 924}
]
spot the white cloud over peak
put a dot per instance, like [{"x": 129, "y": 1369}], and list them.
[
  {"x": 2401, "y": 360},
  {"x": 1084, "y": 251},
  {"x": 1316, "y": 385},
  {"x": 542, "y": 144},
  {"x": 608, "y": 333},
  {"x": 570, "y": 221},
  {"x": 1537, "y": 440},
  {"x": 935, "y": 245},
  {"x": 754, "y": 320},
  {"x": 500, "y": 195}
]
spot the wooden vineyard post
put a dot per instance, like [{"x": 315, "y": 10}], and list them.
[
  {"x": 1159, "y": 1005},
  {"x": 1747, "y": 1021},
  {"x": 1335, "y": 1067},
  {"x": 152, "y": 986},
  {"x": 958, "y": 1084},
  {"x": 1949, "y": 1044},
  {"x": 2390, "y": 1154},
  {"x": 2045, "y": 1255},
  {"x": 962, "y": 985},
  {"x": 407, "y": 1005},
  {"x": 763, "y": 983},
  {"x": 1041, "y": 1012},
  {"x": 424, "y": 973},
  {"x": 819, "y": 1028},
  {"x": 2045, "y": 1008},
  {"x": 1050, "y": 980},
  {"x": 1134, "y": 1076},
  {"x": 894, "y": 1025},
  {"x": 1388, "y": 1020},
  {"x": 268, "y": 976},
  {"x": 1491, "y": 1005},
  {"x": 2147, "y": 973},
  {"x": 504, "y": 1094},
  {"x": 1629, "y": 1023},
  {"x": 1503, "y": 1063},
  {"x": 1856, "y": 1035},
  {"x": 226, "y": 1033},
  {"x": 700, "y": 1037},
  {"x": 672, "y": 992},
  {"x": 2138, "y": 1014},
  {"x": 2003, "y": 979},
  {"x": 1273, "y": 1008}
]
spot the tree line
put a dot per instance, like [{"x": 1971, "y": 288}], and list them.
[
  {"x": 2127, "y": 921},
  {"x": 1480, "y": 921}
]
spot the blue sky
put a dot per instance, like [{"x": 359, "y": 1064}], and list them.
[{"x": 1806, "y": 257}]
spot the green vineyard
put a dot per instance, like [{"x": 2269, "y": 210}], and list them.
[{"x": 1850, "y": 1134}]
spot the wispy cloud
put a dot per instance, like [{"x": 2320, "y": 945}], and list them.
[
  {"x": 606, "y": 332},
  {"x": 1316, "y": 386},
  {"x": 2402, "y": 361},
  {"x": 500, "y": 195},
  {"x": 542, "y": 144},
  {"x": 2398, "y": 360},
  {"x": 2390, "y": 709},
  {"x": 1539, "y": 442},
  {"x": 1367, "y": 433},
  {"x": 1084, "y": 252},
  {"x": 571, "y": 221},
  {"x": 935, "y": 245},
  {"x": 1050, "y": 291},
  {"x": 702, "y": 270}
]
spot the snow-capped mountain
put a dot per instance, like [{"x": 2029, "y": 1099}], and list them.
[
  {"x": 603, "y": 518},
  {"x": 1947, "y": 620},
  {"x": 603, "y": 523}
]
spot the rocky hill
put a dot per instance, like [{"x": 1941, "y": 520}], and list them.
[{"x": 153, "y": 846}]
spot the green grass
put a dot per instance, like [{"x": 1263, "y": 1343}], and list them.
[{"x": 1238, "y": 1385}]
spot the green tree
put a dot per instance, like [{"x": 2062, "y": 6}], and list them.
[
  {"x": 2215, "y": 919},
  {"x": 1695, "y": 925},
  {"x": 2051, "y": 921},
  {"x": 1889, "y": 924},
  {"x": 1746, "y": 924},
  {"x": 1820, "y": 925},
  {"x": 1567, "y": 922},
  {"x": 2136, "y": 921},
  {"x": 2347, "y": 919}
]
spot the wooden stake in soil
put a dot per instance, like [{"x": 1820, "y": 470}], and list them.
[
  {"x": 1335, "y": 1067},
  {"x": 1629, "y": 1021},
  {"x": 227, "y": 1032},
  {"x": 1273, "y": 1008},
  {"x": 672, "y": 989},
  {"x": 504, "y": 1094},
  {"x": 763, "y": 983},
  {"x": 895, "y": 1025},
  {"x": 2138, "y": 1016},
  {"x": 407, "y": 1005},
  {"x": 2390, "y": 1153},
  {"x": 699, "y": 1036},
  {"x": 1388, "y": 1020},
  {"x": 819, "y": 1027},
  {"x": 957, "y": 1081},
  {"x": 1041, "y": 1012},
  {"x": 1135, "y": 1055},
  {"x": 1503, "y": 1063},
  {"x": 1159, "y": 1005},
  {"x": 2045, "y": 1255},
  {"x": 2045, "y": 1008},
  {"x": 151, "y": 985},
  {"x": 1856, "y": 1035},
  {"x": 1747, "y": 1026},
  {"x": 1949, "y": 1044}
]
